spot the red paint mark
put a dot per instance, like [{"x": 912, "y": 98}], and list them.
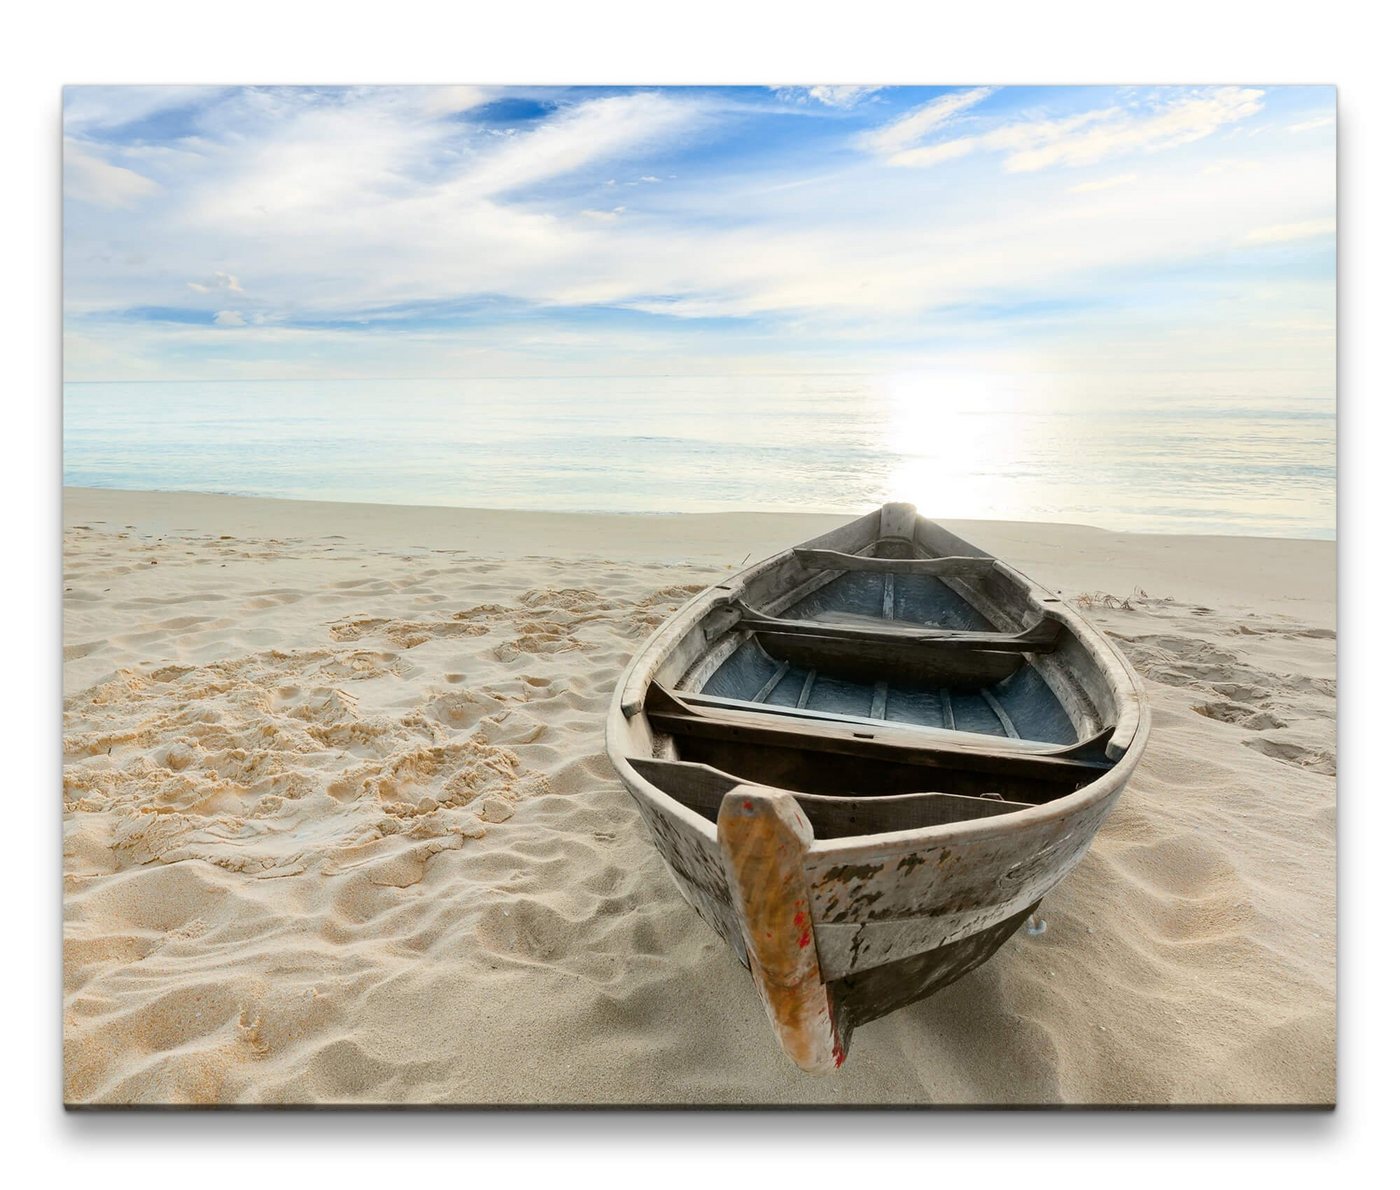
[
  {"x": 748, "y": 805},
  {"x": 840, "y": 1055},
  {"x": 798, "y": 918},
  {"x": 805, "y": 939}
]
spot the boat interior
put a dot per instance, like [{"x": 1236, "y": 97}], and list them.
[{"x": 888, "y": 688}]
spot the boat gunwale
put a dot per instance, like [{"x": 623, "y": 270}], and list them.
[{"x": 1129, "y": 738}]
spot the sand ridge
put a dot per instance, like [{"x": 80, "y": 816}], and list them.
[{"x": 339, "y": 828}]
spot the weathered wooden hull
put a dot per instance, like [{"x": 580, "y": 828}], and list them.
[
  {"x": 841, "y": 930},
  {"x": 886, "y": 937}
]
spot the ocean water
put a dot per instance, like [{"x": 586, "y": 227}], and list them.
[{"x": 1183, "y": 455}]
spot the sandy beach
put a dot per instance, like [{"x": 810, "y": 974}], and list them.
[{"x": 338, "y": 826}]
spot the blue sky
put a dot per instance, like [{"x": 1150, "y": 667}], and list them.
[{"x": 214, "y": 233}]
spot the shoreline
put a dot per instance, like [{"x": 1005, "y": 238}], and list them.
[
  {"x": 338, "y": 826},
  {"x": 1297, "y": 574},
  {"x": 823, "y": 516}
]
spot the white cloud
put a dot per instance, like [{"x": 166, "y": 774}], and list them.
[
  {"x": 371, "y": 205},
  {"x": 598, "y": 130},
  {"x": 90, "y": 179},
  {"x": 1081, "y": 139},
  {"x": 364, "y": 202},
  {"x": 829, "y": 95},
  {"x": 1178, "y": 122},
  {"x": 442, "y": 101},
  {"x": 912, "y": 127},
  {"x": 1280, "y": 233},
  {"x": 86, "y": 109},
  {"x": 1316, "y": 122},
  {"x": 948, "y": 150},
  {"x": 219, "y": 281}
]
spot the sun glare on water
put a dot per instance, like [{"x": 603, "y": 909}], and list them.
[{"x": 957, "y": 442}]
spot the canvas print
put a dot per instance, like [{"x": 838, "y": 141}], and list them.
[{"x": 685, "y": 596}]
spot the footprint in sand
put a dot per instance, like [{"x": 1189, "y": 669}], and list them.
[
  {"x": 1234, "y": 712},
  {"x": 1319, "y": 760},
  {"x": 1248, "y": 696}
]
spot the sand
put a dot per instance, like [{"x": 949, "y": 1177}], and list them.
[{"x": 339, "y": 827}]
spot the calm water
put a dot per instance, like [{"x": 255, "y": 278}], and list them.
[{"x": 1203, "y": 457}]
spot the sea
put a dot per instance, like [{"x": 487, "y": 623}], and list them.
[{"x": 1189, "y": 454}]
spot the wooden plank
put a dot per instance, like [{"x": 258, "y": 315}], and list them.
[
  {"x": 891, "y": 660},
  {"x": 698, "y": 787},
  {"x": 719, "y": 622},
  {"x": 702, "y": 788},
  {"x": 664, "y": 700},
  {"x": 708, "y": 664},
  {"x": 1040, "y": 637},
  {"x": 869, "y": 994},
  {"x": 1000, "y": 712},
  {"x": 972, "y": 879},
  {"x": 847, "y": 948},
  {"x": 806, "y": 689},
  {"x": 676, "y": 647},
  {"x": 808, "y": 735},
  {"x": 763, "y": 839},
  {"x": 849, "y": 817},
  {"x": 771, "y": 684},
  {"x": 803, "y": 583},
  {"x": 912, "y": 732},
  {"x": 937, "y": 567},
  {"x": 996, "y": 596}
]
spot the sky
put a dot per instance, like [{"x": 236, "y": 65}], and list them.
[{"x": 1099, "y": 232}]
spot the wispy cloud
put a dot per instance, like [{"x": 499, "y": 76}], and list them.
[
  {"x": 90, "y": 179},
  {"x": 895, "y": 140},
  {"x": 1167, "y": 125},
  {"x": 91, "y": 109},
  {"x": 603, "y": 129},
  {"x": 1325, "y": 121},
  {"x": 1081, "y": 139}
]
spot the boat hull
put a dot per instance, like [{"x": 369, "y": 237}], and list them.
[
  {"x": 896, "y": 918},
  {"x": 867, "y": 921}
]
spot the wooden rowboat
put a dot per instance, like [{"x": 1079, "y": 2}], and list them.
[{"x": 866, "y": 760}]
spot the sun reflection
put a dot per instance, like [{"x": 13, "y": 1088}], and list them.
[{"x": 958, "y": 442}]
